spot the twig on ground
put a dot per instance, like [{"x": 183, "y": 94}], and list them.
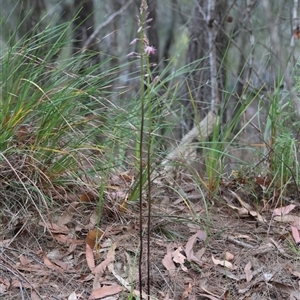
[
  {"x": 4, "y": 264},
  {"x": 239, "y": 243}
]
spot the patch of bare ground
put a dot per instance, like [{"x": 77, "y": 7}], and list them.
[{"x": 232, "y": 247}]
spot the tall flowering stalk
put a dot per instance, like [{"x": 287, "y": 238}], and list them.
[{"x": 145, "y": 51}]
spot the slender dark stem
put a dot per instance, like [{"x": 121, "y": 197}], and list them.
[
  {"x": 149, "y": 177},
  {"x": 141, "y": 156},
  {"x": 148, "y": 218},
  {"x": 141, "y": 198}
]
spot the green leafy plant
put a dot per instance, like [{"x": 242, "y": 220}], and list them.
[
  {"x": 281, "y": 145},
  {"x": 51, "y": 118}
]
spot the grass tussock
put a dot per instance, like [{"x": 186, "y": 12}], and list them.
[{"x": 91, "y": 140}]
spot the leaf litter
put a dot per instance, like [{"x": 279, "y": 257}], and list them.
[{"x": 254, "y": 252}]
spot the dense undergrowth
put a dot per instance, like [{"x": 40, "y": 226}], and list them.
[
  {"x": 61, "y": 121},
  {"x": 65, "y": 129}
]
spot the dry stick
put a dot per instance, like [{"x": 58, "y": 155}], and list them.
[
  {"x": 199, "y": 132},
  {"x": 239, "y": 243},
  {"x": 273, "y": 30},
  {"x": 6, "y": 265}
]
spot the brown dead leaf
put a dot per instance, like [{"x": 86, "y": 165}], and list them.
[
  {"x": 168, "y": 261},
  {"x": 5, "y": 283},
  {"x": 96, "y": 282},
  {"x": 284, "y": 210},
  {"x": 85, "y": 277},
  {"x": 67, "y": 215},
  {"x": 72, "y": 247},
  {"x": 294, "y": 220},
  {"x": 248, "y": 271},
  {"x": 3, "y": 288},
  {"x": 54, "y": 228},
  {"x": 34, "y": 295},
  {"x": 257, "y": 216},
  {"x": 105, "y": 291},
  {"x": 190, "y": 244},
  {"x": 186, "y": 292},
  {"x": 92, "y": 237},
  {"x": 179, "y": 258},
  {"x": 64, "y": 265},
  {"x": 25, "y": 260},
  {"x": 229, "y": 256},
  {"x": 249, "y": 209},
  {"x": 127, "y": 177},
  {"x": 49, "y": 264},
  {"x": 109, "y": 259},
  {"x": 200, "y": 253},
  {"x": 295, "y": 234},
  {"x": 88, "y": 197},
  {"x": 89, "y": 257},
  {"x": 16, "y": 283},
  {"x": 93, "y": 220},
  {"x": 223, "y": 263},
  {"x": 65, "y": 239}
]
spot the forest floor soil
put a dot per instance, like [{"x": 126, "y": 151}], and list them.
[{"x": 235, "y": 245}]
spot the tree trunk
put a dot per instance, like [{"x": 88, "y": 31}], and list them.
[
  {"x": 84, "y": 27},
  {"x": 199, "y": 79},
  {"x": 31, "y": 13}
]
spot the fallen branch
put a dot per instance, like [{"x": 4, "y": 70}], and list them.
[{"x": 185, "y": 150}]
